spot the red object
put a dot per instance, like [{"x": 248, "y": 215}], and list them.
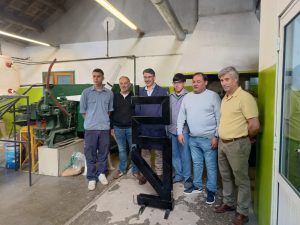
[
  {"x": 8, "y": 64},
  {"x": 11, "y": 91}
]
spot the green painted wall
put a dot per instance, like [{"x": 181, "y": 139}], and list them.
[
  {"x": 264, "y": 158},
  {"x": 34, "y": 95}
]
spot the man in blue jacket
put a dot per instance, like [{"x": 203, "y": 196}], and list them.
[{"x": 157, "y": 130}]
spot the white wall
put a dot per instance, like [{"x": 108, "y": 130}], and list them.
[
  {"x": 12, "y": 50},
  {"x": 269, "y": 33},
  {"x": 153, "y": 52},
  {"x": 223, "y": 40}
]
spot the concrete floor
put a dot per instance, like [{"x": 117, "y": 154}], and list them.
[
  {"x": 66, "y": 200},
  {"x": 50, "y": 200}
]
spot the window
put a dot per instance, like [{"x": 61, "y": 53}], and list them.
[
  {"x": 64, "y": 77},
  {"x": 290, "y": 136}
]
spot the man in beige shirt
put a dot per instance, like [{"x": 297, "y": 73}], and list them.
[{"x": 238, "y": 123}]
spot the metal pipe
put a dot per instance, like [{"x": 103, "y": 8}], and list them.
[
  {"x": 107, "y": 39},
  {"x": 15, "y": 136},
  {"x": 197, "y": 12},
  {"x": 29, "y": 138},
  {"x": 76, "y": 60},
  {"x": 166, "y": 11},
  {"x": 91, "y": 59},
  {"x": 134, "y": 75}
]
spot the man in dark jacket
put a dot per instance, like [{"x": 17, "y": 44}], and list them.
[
  {"x": 121, "y": 127},
  {"x": 157, "y": 130}
]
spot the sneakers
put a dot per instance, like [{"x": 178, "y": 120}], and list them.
[
  {"x": 102, "y": 179},
  {"x": 188, "y": 183},
  {"x": 210, "y": 197},
  {"x": 92, "y": 185},
  {"x": 192, "y": 190},
  {"x": 118, "y": 174}
]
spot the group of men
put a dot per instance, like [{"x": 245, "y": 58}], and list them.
[
  {"x": 104, "y": 111},
  {"x": 203, "y": 129}
]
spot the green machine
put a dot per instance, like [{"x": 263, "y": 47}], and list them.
[
  {"x": 54, "y": 126},
  {"x": 57, "y": 119},
  {"x": 63, "y": 90}
]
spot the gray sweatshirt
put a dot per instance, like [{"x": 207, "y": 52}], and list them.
[
  {"x": 202, "y": 113},
  {"x": 175, "y": 103}
]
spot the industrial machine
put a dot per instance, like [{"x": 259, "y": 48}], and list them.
[
  {"x": 55, "y": 117},
  {"x": 54, "y": 124}
]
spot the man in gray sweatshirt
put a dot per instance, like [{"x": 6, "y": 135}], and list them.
[
  {"x": 181, "y": 153},
  {"x": 201, "y": 110}
]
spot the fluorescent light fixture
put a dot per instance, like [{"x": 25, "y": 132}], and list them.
[
  {"x": 109, "y": 7},
  {"x": 23, "y": 38}
]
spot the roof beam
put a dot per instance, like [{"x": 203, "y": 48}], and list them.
[
  {"x": 28, "y": 7},
  {"x": 21, "y": 21},
  {"x": 55, "y": 5}
]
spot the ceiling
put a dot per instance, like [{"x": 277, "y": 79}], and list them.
[
  {"x": 30, "y": 17},
  {"x": 72, "y": 21}
]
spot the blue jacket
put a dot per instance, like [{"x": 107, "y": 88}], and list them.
[{"x": 151, "y": 110}]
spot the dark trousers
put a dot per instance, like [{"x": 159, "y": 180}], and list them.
[{"x": 96, "y": 142}]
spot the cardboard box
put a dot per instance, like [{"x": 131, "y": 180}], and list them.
[{"x": 53, "y": 161}]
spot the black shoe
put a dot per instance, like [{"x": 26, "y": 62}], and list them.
[
  {"x": 192, "y": 190},
  {"x": 188, "y": 183},
  {"x": 210, "y": 197}
]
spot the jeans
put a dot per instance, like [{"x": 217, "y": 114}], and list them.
[
  {"x": 123, "y": 136},
  {"x": 181, "y": 158},
  {"x": 96, "y": 143},
  {"x": 201, "y": 150}
]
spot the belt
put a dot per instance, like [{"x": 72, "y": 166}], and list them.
[{"x": 233, "y": 139}]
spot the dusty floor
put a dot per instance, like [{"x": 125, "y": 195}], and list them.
[
  {"x": 117, "y": 206},
  {"x": 66, "y": 200}
]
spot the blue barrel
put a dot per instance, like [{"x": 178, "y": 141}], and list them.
[{"x": 10, "y": 161}]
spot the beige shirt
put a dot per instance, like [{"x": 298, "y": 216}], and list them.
[{"x": 235, "y": 110}]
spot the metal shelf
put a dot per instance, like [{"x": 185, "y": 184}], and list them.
[{"x": 9, "y": 104}]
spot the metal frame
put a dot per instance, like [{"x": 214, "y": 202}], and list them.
[
  {"x": 11, "y": 105},
  {"x": 163, "y": 187},
  {"x": 132, "y": 57}
]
